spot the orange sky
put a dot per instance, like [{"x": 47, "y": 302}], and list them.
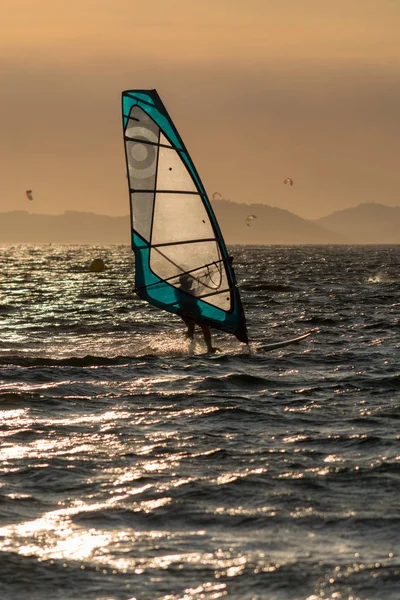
[{"x": 259, "y": 90}]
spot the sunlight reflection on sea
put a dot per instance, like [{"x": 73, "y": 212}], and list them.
[{"x": 136, "y": 466}]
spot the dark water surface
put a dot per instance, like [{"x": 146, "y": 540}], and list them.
[{"x": 136, "y": 467}]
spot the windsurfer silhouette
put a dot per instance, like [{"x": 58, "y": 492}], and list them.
[{"x": 186, "y": 282}]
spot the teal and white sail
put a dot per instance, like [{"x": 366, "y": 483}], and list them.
[{"x": 182, "y": 264}]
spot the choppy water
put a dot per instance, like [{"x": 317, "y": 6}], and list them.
[{"x": 133, "y": 467}]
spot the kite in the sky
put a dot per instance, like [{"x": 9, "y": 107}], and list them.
[
  {"x": 288, "y": 180},
  {"x": 249, "y": 219},
  {"x": 29, "y": 194},
  {"x": 215, "y": 194}
]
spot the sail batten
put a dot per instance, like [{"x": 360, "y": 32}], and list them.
[
  {"x": 195, "y": 241},
  {"x": 194, "y": 192},
  {"x": 182, "y": 264},
  {"x": 145, "y": 142}
]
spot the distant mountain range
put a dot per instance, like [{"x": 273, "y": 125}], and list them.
[
  {"x": 364, "y": 224},
  {"x": 270, "y": 226}
]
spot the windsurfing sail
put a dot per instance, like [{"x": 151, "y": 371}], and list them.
[{"x": 182, "y": 264}]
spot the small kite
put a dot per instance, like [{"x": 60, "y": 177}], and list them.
[
  {"x": 215, "y": 194},
  {"x": 288, "y": 180},
  {"x": 29, "y": 194},
  {"x": 249, "y": 219}
]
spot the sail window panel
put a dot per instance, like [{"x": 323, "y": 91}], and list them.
[
  {"x": 180, "y": 217},
  {"x": 201, "y": 281},
  {"x": 204, "y": 281},
  {"x": 142, "y": 213},
  {"x": 169, "y": 261},
  {"x": 195, "y": 268},
  {"x": 172, "y": 172},
  {"x": 207, "y": 281}
]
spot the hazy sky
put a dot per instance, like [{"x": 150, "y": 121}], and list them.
[{"x": 259, "y": 90}]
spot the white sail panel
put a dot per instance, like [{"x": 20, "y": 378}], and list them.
[
  {"x": 180, "y": 217},
  {"x": 172, "y": 173},
  {"x": 222, "y": 300},
  {"x": 163, "y": 140}
]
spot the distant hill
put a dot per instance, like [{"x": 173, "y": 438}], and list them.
[
  {"x": 365, "y": 224},
  {"x": 72, "y": 227},
  {"x": 272, "y": 226}
]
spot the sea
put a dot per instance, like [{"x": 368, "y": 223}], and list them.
[{"x": 135, "y": 466}]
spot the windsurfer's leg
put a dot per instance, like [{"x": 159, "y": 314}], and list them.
[
  {"x": 190, "y": 327},
  {"x": 207, "y": 338}
]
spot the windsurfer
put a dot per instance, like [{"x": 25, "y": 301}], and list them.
[{"x": 186, "y": 282}]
